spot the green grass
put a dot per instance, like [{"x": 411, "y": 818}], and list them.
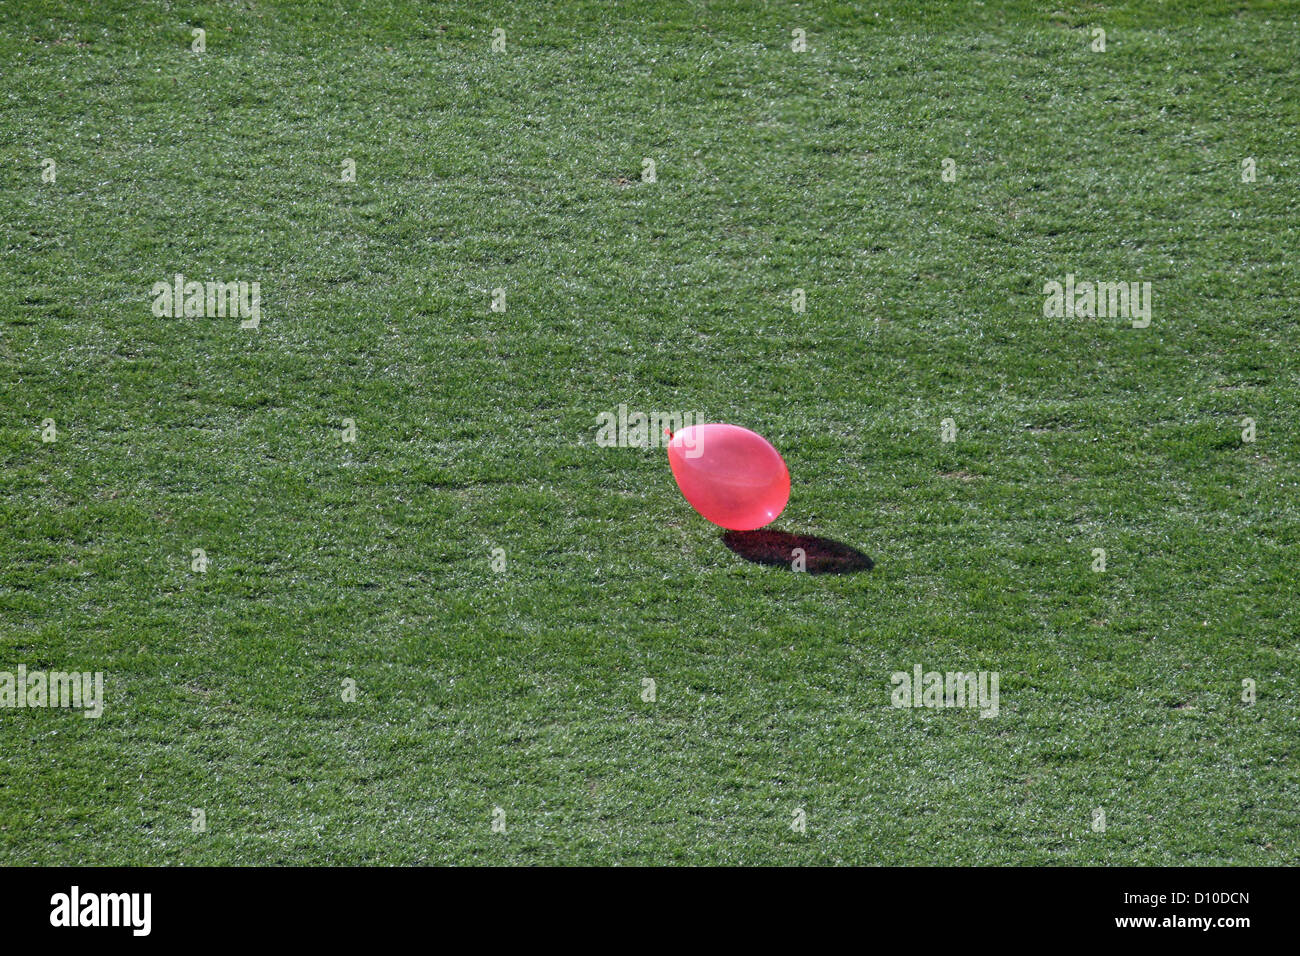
[{"x": 776, "y": 170}]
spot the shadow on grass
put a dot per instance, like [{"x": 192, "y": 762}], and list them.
[{"x": 822, "y": 555}]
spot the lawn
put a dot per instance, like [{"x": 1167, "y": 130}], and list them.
[{"x": 498, "y": 587}]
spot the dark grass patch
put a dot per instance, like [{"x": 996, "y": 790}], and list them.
[{"x": 822, "y": 555}]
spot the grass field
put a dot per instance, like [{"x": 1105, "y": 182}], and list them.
[{"x": 515, "y": 696}]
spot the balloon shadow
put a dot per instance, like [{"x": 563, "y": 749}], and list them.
[{"x": 821, "y": 555}]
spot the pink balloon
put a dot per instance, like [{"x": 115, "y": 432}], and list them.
[{"x": 730, "y": 475}]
